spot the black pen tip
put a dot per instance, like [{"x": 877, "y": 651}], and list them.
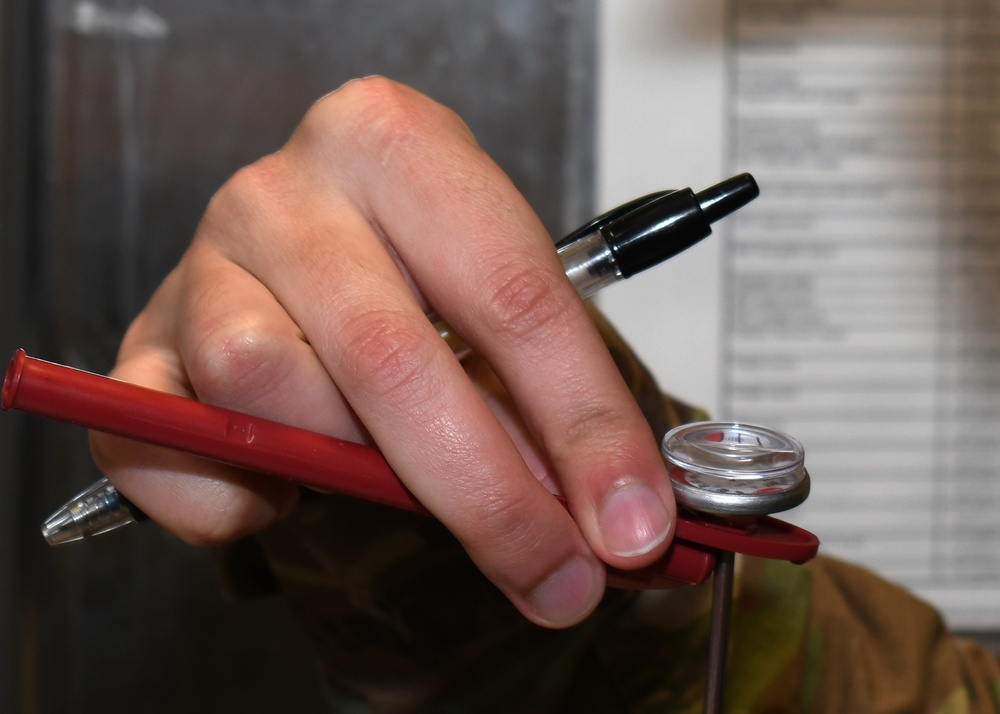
[{"x": 723, "y": 198}]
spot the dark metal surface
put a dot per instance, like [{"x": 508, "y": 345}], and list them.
[
  {"x": 141, "y": 111},
  {"x": 19, "y": 83}
]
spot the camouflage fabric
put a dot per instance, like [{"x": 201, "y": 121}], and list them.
[{"x": 403, "y": 622}]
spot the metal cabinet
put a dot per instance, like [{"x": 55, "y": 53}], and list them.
[{"x": 118, "y": 120}]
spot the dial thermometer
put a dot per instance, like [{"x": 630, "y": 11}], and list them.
[
  {"x": 731, "y": 469},
  {"x": 738, "y": 473}
]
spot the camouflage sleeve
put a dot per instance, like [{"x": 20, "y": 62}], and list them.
[
  {"x": 403, "y": 622},
  {"x": 827, "y": 637}
]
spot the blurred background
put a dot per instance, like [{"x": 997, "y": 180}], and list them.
[{"x": 854, "y": 304}]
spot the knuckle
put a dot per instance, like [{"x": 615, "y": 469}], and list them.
[
  {"x": 385, "y": 355},
  {"x": 236, "y": 356},
  {"x": 595, "y": 427},
  {"x": 246, "y": 197},
  {"x": 505, "y": 531},
  {"x": 368, "y": 100},
  {"x": 385, "y": 118},
  {"x": 522, "y": 301}
]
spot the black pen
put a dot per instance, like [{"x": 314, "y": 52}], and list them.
[{"x": 614, "y": 246}]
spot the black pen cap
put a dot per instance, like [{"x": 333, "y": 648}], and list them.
[{"x": 661, "y": 228}]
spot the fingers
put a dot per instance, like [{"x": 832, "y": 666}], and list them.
[
  {"x": 407, "y": 186},
  {"x": 241, "y": 350},
  {"x": 302, "y": 299},
  {"x": 348, "y": 296},
  {"x": 480, "y": 257},
  {"x": 212, "y": 332},
  {"x": 200, "y": 501}
]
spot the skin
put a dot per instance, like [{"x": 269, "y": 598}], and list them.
[{"x": 302, "y": 298}]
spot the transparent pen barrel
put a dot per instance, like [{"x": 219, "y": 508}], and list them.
[
  {"x": 589, "y": 264},
  {"x": 457, "y": 344}
]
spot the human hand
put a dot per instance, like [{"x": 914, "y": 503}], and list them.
[{"x": 302, "y": 298}]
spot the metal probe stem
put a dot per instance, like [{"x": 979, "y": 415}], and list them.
[{"x": 718, "y": 638}]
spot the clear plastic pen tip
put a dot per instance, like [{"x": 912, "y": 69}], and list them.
[
  {"x": 61, "y": 528},
  {"x": 98, "y": 509}
]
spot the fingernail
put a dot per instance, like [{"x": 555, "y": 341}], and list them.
[
  {"x": 569, "y": 594},
  {"x": 633, "y": 520}
]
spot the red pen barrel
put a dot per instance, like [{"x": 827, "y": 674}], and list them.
[{"x": 128, "y": 410}]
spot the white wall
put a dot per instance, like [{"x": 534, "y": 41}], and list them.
[{"x": 661, "y": 106}]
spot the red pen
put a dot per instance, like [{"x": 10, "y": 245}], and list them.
[{"x": 116, "y": 407}]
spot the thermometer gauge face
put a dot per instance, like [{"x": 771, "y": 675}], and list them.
[{"x": 732, "y": 469}]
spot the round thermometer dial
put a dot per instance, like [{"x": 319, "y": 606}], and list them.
[{"x": 732, "y": 469}]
